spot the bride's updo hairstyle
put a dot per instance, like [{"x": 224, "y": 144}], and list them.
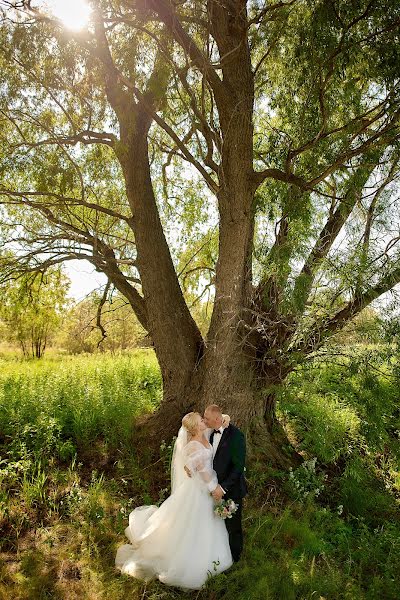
[{"x": 191, "y": 423}]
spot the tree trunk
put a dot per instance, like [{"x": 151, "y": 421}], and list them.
[
  {"x": 221, "y": 369},
  {"x": 163, "y": 311},
  {"x": 177, "y": 340},
  {"x": 225, "y": 371},
  {"x": 250, "y": 402}
]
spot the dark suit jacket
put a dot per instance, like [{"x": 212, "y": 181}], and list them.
[{"x": 229, "y": 462}]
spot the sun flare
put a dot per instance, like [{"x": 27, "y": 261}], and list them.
[{"x": 74, "y": 14}]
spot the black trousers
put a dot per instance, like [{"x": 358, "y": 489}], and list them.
[{"x": 235, "y": 533}]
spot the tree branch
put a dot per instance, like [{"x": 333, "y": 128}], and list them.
[
  {"x": 98, "y": 314},
  {"x": 65, "y": 199},
  {"x": 84, "y": 137},
  {"x": 329, "y": 233},
  {"x": 326, "y": 328},
  {"x": 171, "y": 20},
  {"x": 269, "y": 9},
  {"x": 260, "y": 176}
]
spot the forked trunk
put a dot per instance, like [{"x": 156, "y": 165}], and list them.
[{"x": 250, "y": 403}]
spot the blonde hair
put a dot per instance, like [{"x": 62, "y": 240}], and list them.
[{"x": 190, "y": 422}]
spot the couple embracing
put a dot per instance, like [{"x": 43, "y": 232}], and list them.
[{"x": 183, "y": 541}]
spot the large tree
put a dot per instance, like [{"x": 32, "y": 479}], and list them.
[{"x": 267, "y": 132}]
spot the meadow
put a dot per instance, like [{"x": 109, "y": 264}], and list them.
[{"x": 70, "y": 472}]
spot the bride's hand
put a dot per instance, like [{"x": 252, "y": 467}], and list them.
[{"x": 225, "y": 420}]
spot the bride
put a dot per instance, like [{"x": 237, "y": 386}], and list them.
[{"x": 182, "y": 542}]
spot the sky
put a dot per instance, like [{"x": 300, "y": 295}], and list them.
[
  {"x": 84, "y": 278},
  {"x": 73, "y": 13}
]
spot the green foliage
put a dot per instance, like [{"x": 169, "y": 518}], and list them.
[
  {"x": 304, "y": 482},
  {"x": 76, "y": 399},
  {"x": 69, "y": 473},
  {"x": 347, "y": 415},
  {"x": 80, "y": 333},
  {"x": 328, "y": 425}
]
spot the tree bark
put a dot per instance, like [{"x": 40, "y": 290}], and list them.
[
  {"x": 225, "y": 370},
  {"x": 176, "y": 337},
  {"x": 248, "y": 399}
]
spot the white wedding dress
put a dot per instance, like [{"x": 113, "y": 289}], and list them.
[{"x": 181, "y": 542}]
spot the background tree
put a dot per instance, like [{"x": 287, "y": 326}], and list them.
[
  {"x": 32, "y": 309},
  {"x": 101, "y": 322},
  {"x": 268, "y": 133}
]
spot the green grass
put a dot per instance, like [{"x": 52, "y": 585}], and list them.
[
  {"x": 82, "y": 399},
  {"x": 69, "y": 476},
  {"x": 348, "y": 416}
]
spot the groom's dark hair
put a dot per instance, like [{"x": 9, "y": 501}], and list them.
[{"x": 214, "y": 408}]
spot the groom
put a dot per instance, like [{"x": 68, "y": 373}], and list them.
[{"x": 229, "y": 453}]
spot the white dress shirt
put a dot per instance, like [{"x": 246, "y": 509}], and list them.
[{"x": 216, "y": 439}]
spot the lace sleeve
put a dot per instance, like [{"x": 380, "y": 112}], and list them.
[{"x": 197, "y": 461}]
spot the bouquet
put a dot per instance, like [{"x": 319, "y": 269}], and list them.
[{"x": 226, "y": 509}]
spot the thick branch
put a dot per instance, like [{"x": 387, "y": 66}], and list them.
[
  {"x": 329, "y": 233},
  {"x": 99, "y": 312},
  {"x": 86, "y": 137},
  {"x": 165, "y": 11},
  {"x": 280, "y": 255},
  {"x": 260, "y": 176},
  {"x": 118, "y": 97},
  {"x": 338, "y": 321}
]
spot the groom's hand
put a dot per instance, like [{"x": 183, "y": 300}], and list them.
[
  {"x": 217, "y": 493},
  {"x": 188, "y": 473}
]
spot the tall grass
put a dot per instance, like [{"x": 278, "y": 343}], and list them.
[
  {"x": 69, "y": 477},
  {"x": 79, "y": 398},
  {"x": 347, "y": 415}
]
